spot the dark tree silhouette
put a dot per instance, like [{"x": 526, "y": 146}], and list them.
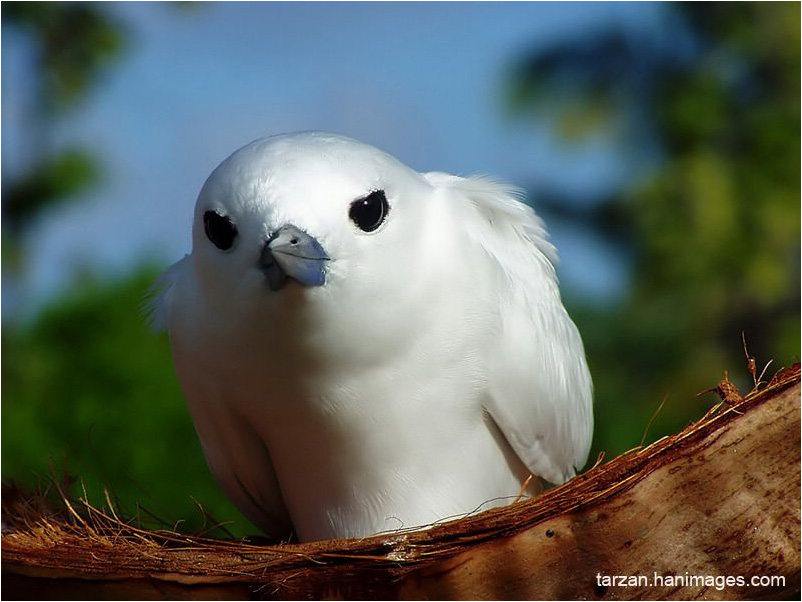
[{"x": 709, "y": 109}]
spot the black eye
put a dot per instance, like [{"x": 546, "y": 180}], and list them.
[
  {"x": 369, "y": 212},
  {"x": 219, "y": 230}
]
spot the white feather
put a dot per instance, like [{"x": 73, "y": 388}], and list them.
[
  {"x": 539, "y": 386},
  {"x": 434, "y": 369},
  {"x": 157, "y": 303}
]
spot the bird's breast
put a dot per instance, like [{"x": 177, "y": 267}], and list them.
[{"x": 365, "y": 445}]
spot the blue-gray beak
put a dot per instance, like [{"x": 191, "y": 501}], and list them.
[{"x": 292, "y": 253}]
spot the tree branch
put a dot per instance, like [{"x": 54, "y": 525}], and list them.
[{"x": 720, "y": 499}]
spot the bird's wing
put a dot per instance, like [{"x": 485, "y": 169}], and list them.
[
  {"x": 237, "y": 456},
  {"x": 539, "y": 386},
  {"x": 234, "y": 451},
  {"x": 158, "y": 300}
]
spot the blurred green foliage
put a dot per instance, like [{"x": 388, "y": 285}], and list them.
[
  {"x": 89, "y": 388},
  {"x": 76, "y": 44},
  {"x": 712, "y": 230},
  {"x": 86, "y": 387},
  {"x": 52, "y": 180}
]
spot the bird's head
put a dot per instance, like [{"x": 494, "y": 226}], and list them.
[{"x": 307, "y": 216}]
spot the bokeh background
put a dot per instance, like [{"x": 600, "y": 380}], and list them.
[{"x": 660, "y": 142}]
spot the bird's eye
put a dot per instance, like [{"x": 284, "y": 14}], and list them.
[
  {"x": 219, "y": 229},
  {"x": 369, "y": 212}
]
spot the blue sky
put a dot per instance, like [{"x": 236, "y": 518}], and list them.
[{"x": 423, "y": 81}]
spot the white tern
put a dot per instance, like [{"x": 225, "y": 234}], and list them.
[{"x": 364, "y": 347}]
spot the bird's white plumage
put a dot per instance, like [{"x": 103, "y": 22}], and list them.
[{"x": 430, "y": 374}]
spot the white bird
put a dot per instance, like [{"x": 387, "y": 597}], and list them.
[{"x": 365, "y": 348}]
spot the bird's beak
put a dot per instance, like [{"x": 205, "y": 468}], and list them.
[{"x": 292, "y": 253}]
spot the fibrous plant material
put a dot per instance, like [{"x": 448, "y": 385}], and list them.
[{"x": 712, "y": 512}]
